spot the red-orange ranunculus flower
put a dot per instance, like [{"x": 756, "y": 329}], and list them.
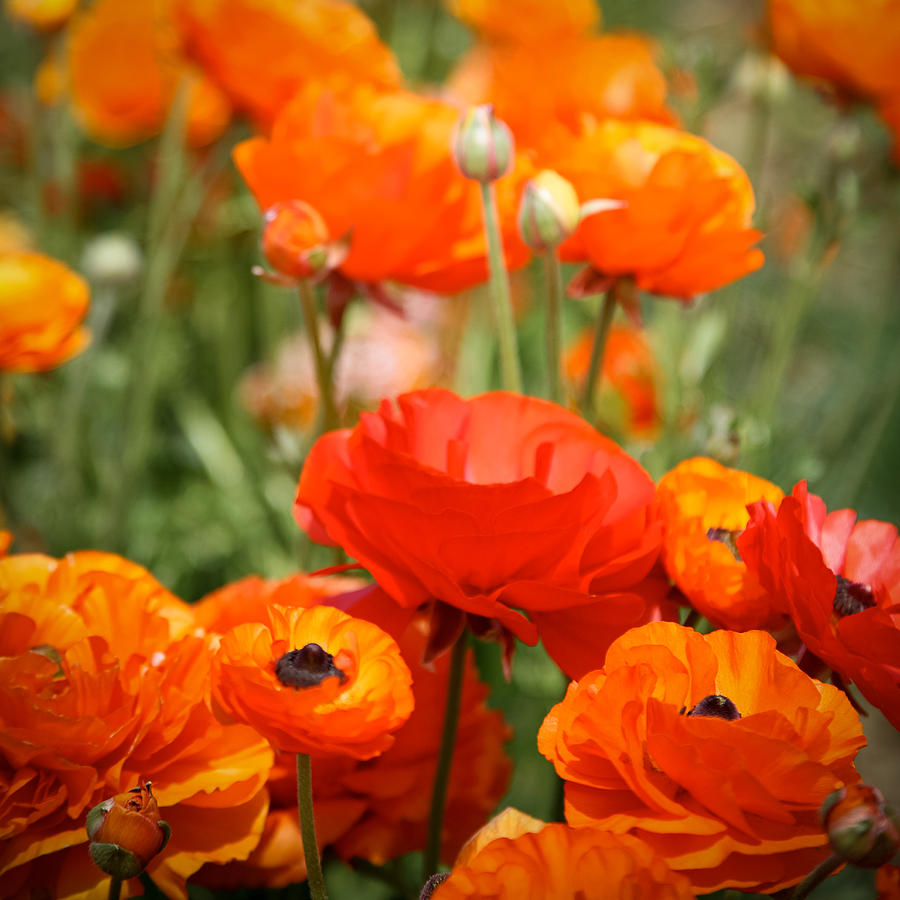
[
  {"x": 377, "y": 165},
  {"x": 840, "y": 581},
  {"x": 703, "y": 506},
  {"x": 516, "y": 857},
  {"x": 714, "y": 749},
  {"x": 314, "y": 681},
  {"x": 685, "y": 226},
  {"x": 124, "y": 68},
  {"x": 103, "y": 684},
  {"x": 489, "y": 504},
  {"x": 42, "y": 306},
  {"x": 261, "y": 52}
]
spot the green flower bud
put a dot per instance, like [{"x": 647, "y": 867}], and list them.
[
  {"x": 861, "y": 828},
  {"x": 549, "y": 211},
  {"x": 482, "y": 145}
]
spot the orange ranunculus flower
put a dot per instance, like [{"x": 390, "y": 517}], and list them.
[
  {"x": 43, "y": 14},
  {"x": 123, "y": 72},
  {"x": 527, "y": 21},
  {"x": 685, "y": 226},
  {"x": 377, "y": 164},
  {"x": 42, "y": 306},
  {"x": 703, "y": 506},
  {"x": 515, "y": 857},
  {"x": 630, "y": 369},
  {"x": 314, "y": 681},
  {"x": 714, "y": 749},
  {"x": 103, "y": 684},
  {"x": 261, "y": 52},
  {"x": 840, "y": 581},
  {"x": 489, "y": 504}
]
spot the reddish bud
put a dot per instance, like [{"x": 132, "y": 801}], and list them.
[
  {"x": 861, "y": 828},
  {"x": 295, "y": 239}
]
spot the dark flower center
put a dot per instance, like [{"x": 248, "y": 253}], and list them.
[
  {"x": 726, "y": 537},
  {"x": 306, "y": 667},
  {"x": 716, "y": 706},
  {"x": 852, "y": 597}
]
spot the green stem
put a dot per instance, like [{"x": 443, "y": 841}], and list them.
[
  {"x": 329, "y": 415},
  {"x": 498, "y": 289},
  {"x": 314, "y": 874},
  {"x": 445, "y": 756},
  {"x": 115, "y": 888},
  {"x": 553, "y": 271},
  {"x": 604, "y": 321},
  {"x": 817, "y": 876}
]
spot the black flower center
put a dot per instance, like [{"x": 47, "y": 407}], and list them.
[
  {"x": 716, "y": 706},
  {"x": 726, "y": 537},
  {"x": 306, "y": 667},
  {"x": 852, "y": 597}
]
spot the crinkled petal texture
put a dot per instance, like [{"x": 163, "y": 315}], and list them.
[
  {"x": 731, "y": 803},
  {"x": 260, "y": 52},
  {"x": 124, "y": 71},
  {"x": 488, "y": 504},
  {"x": 530, "y": 860},
  {"x": 700, "y": 496},
  {"x": 104, "y": 684},
  {"x": 685, "y": 227},
  {"x": 352, "y": 714},
  {"x": 799, "y": 553},
  {"x": 377, "y": 164},
  {"x": 42, "y": 306}
]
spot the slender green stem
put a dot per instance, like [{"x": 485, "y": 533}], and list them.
[
  {"x": 329, "y": 415},
  {"x": 115, "y": 888},
  {"x": 692, "y": 619},
  {"x": 308, "y": 828},
  {"x": 499, "y": 293},
  {"x": 817, "y": 876},
  {"x": 553, "y": 272},
  {"x": 445, "y": 756},
  {"x": 604, "y": 321}
]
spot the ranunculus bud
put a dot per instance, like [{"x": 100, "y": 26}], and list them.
[
  {"x": 483, "y": 145},
  {"x": 549, "y": 211},
  {"x": 295, "y": 240},
  {"x": 112, "y": 260},
  {"x": 862, "y": 829},
  {"x": 126, "y": 832}
]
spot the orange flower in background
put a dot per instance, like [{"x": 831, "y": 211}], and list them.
[
  {"x": 378, "y": 164},
  {"x": 314, "y": 681},
  {"x": 703, "y": 506},
  {"x": 526, "y": 21},
  {"x": 716, "y": 750},
  {"x": 123, "y": 72},
  {"x": 887, "y": 883},
  {"x": 42, "y": 14},
  {"x": 840, "y": 581},
  {"x": 685, "y": 226},
  {"x": 103, "y": 684},
  {"x": 260, "y": 52},
  {"x": 515, "y": 857},
  {"x": 489, "y": 504},
  {"x": 42, "y": 306},
  {"x": 631, "y": 371}
]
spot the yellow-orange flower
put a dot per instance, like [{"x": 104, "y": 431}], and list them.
[
  {"x": 314, "y": 681},
  {"x": 42, "y": 306},
  {"x": 261, "y": 52},
  {"x": 714, "y": 749},
  {"x": 124, "y": 69},
  {"x": 685, "y": 224},
  {"x": 516, "y": 857},
  {"x": 103, "y": 684},
  {"x": 703, "y": 506},
  {"x": 43, "y": 14}
]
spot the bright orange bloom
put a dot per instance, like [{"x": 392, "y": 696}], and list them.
[
  {"x": 515, "y": 857},
  {"x": 630, "y": 369},
  {"x": 378, "y": 164},
  {"x": 716, "y": 750},
  {"x": 42, "y": 306},
  {"x": 124, "y": 71},
  {"x": 703, "y": 506},
  {"x": 103, "y": 684},
  {"x": 261, "y": 52},
  {"x": 43, "y": 14},
  {"x": 685, "y": 227},
  {"x": 314, "y": 681}
]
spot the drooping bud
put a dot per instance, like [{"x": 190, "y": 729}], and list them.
[
  {"x": 295, "y": 240},
  {"x": 126, "y": 832},
  {"x": 549, "y": 211},
  {"x": 861, "y": 828},
  {"x": 482, "y": 145}
]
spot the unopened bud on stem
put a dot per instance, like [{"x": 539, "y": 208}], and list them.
[
  {"x": 482, "y": 145},
  {"x": 549, "y": 211}
]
